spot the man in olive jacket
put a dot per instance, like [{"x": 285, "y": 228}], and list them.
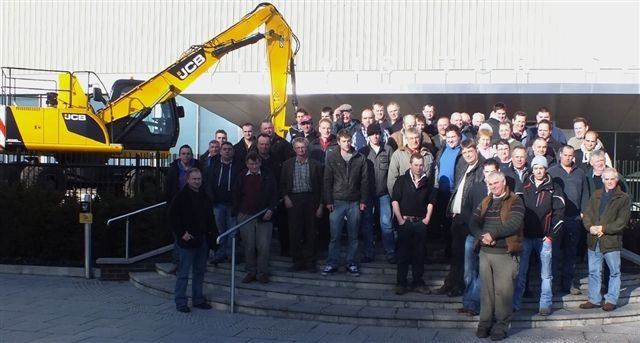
[{"x": 605, "y": 218}]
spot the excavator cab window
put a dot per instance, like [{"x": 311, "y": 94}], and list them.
[{"x": 154, "y": 128}]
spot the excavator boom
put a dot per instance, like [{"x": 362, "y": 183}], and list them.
[{"x": 198, "y": 59}]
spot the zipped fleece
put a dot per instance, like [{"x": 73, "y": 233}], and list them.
[
  {"x": 348, "y": 181},
  {"x": 544, "y": 208}
]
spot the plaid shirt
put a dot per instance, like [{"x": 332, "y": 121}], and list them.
[{"x": 301, "y": 177}]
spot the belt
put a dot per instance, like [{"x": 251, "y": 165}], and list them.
[{"x": 412, "y": 219}]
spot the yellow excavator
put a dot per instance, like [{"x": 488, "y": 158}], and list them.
[{"x": 63, "y": 120}]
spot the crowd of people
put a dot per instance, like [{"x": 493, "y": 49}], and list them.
[{"x": 498, "y": 195}]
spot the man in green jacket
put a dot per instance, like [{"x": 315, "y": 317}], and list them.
[{"x": 606, "y": 216}]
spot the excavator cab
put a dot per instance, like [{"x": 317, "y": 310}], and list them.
[{"x": 154, "y": 129}]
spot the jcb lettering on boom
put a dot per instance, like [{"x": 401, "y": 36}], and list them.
[
  {"x": 74, "y": 116},
  {"x": 187, "y": 67}
]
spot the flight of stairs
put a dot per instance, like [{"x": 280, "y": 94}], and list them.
[{"x": 370, "y": 299}]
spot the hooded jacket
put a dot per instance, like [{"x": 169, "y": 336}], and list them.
[{"x": 544, "y": 208}]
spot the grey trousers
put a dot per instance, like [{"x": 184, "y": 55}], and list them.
[
  {"x": 498, "y": 273},
  {"x": 256, "y": 239}
]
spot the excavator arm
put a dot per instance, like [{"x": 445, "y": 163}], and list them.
[{"x": 200, "y": 58}]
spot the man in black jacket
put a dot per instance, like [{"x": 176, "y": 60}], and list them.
[
  {"x": 412, "y": 201},
  {"x": 220, "y": 178},
  {"x": 465, "y": 175},
  {"x": 544, "y": 212},
  {"x": 346, "y": 190},
  {"x": 378, "y": 156},
  {"x": 192, "y": 221}
]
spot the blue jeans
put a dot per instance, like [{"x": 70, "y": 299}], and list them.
[
  {"x": 543, "y": 250},
  {"x": 224, "y": 221},
  {"x": 194, "y": 260},
  {"x": 595, "y": 269},
  {"x": 564, "y": 253},
  {"x": 382, "y": 205},
  {"x": 471, "y": 295},
  {"x": 351, "y": 210}
]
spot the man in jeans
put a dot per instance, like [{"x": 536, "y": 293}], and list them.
[
  {"x": 606, "y": 215},
  {"x": 544, "y": 212},
  {"x": 346, "y": 190},
  {"x": 191, "y": 220},
  {"x": 378, "y": 156},
  {"x": 221, "y": 177}
]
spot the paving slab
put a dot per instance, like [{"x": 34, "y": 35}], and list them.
[{"x": 53, "y": 309}]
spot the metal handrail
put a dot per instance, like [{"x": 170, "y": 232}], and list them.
[
  {"x": 232, "y": 231},
  {"x": 127, "y": 215}
]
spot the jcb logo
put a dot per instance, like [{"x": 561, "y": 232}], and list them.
[
  {"x": 74, "y": 117},
  {"x": 190, "y": 66}
]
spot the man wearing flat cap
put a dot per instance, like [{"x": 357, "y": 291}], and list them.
[{"x": 344, "y": 120}]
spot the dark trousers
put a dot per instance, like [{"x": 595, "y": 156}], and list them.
[
  {"x": 281, "y": 221},
  {"x": 441, "y": 222},
  {"x": 303, "y": 232},
  {"x": 411, "y": 240},
  {"x": 455, "y": 278}
]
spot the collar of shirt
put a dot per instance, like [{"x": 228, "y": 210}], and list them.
[
  {"x": 303, "y": 162},
  {"x": 250, "y": 173},
  {"x": 416, "y": 181}
]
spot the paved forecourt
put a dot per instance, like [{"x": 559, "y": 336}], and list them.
[{"x": 70, "y": 309}]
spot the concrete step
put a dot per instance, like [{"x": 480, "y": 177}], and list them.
[
  {"x": 380, "y": 276},
  {"x": 381, "y": 307},
  {"x": 288, "y": 286}
]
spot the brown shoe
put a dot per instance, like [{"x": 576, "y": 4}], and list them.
[
  {"x": 588, "y": 305},
  {"x": 422, "y": 289},
  {"x": 250, "y": 277},
  {"x": 608, "y": 307},
  {"x": 263, "y": 278}
]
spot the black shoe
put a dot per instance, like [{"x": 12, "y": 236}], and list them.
[
  {"x": 295, "y": 268},
  {"x": 400, "y": 290},
  {"x": 215, "y": 261},
  {"x": 312, "y": 269},
  {"x": 442, "y": 290},
  {"x": 366, "y": 259},
  {"x": 203, "y": 306},
  {"x": 183, "y": 309},
  {"x": 454, "y": 293},
  {"x": 392, "y": 260}
]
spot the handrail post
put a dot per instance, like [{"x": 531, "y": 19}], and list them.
[
  {"x": 126, "y": 239},
  {"x": 233, "y": 274}
]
